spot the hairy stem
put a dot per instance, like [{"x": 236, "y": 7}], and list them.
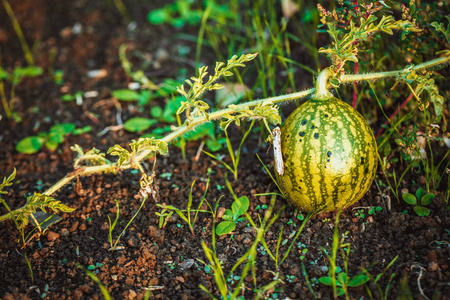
[{"x": 322, "y": 92}]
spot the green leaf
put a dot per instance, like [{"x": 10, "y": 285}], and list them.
[
  {"x": 326, "y": 280},
  {"x": 3, "y": 74},
  {"x": 225, "y": 227},
  {"x": 341, "y": 279},
  {"x": 421, "y": 211},
  {"x": 419, "y": 193},
  {"x": 213, "y": 145},
  {"x": 126, "y": 95},
  {"x": 156, "y": 112},
  {"x": 51, "y": 145},
  {"x": 240, "y": 206},
  {"x": 409, "y": 198},
  {"x": 158, "y": 16},
  {"x": 85, "y": 129},
  {"x": 30, "y": 71},
  {"x": 205, "y": 129},
  {"x": 425, "y": 200},
  {"x": 30, "y": 144},
  {"x": 62, "y": 129},
  {"x": 144, "y": 97},
  {"x": 358, "y": 280},
  {"x": 228, "y": 215},
  {"x": 138, "y": 124},
  {"x": 67, "y": 97}
]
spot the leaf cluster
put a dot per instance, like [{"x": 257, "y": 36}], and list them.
[
  {"x": 344, "y": 46},
  {"x": 151, "y": 144},
  {"x": 92, "y": 157},
  {"x": 268, "y": 113},
  {"x": 424, "y": 83},
  {"x": 197, "y": 86},
  {"x": 419, "y": 200},
  {"x": 50, "y": 139},
  {"x": 238, "y": 207}
]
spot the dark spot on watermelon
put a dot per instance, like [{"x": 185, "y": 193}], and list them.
[
  {"x": 328, "y": 160},
  {"x": 326, "y": 115},
  {"x": 366, "y": 170},
  {"x": 288, "y": 136},
  {"x": 316, "y": 135},
  {"x": 329, "y": 153},
  {"x": 300, "y": 140},
  {"x": 362, "y": 160},
  {"x": 301, "y": 133},
  {"x": 304, "y": 122},
  {"x": 312, "y": 126}
]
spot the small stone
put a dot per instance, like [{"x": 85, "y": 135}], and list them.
[
  {"x": 146, "y": 253},
  {"x": 432, "y": 267},
  {"x": 51, "y": 236},
  {"x": 247, "y": 241},
  {"x": 404, "y": 190},
  {"x": 180, "y": 279},
  {"x": 74, "y": 226},
  {"x": 263, "y": 199},
  {"x": 221, "y": 212},
  {"x": 64, "y": 232},
  {"x": 187, "y": 264},
  {"x": 83, "y": 227},
  {"x": 422, "y": 180},
  {"x": 131, "y": 294}
]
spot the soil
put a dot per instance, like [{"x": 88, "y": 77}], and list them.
[{"x": 168, "y": 261}]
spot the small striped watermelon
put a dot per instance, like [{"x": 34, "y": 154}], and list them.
[{"x": 329, "y": 154}]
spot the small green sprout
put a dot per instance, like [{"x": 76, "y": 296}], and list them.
[
  {"x": 51, "y": 139},
  {"x": 164, "y": 216},
  {"x": 420, "y": 200},
  {"x": 231, "y": 216}
]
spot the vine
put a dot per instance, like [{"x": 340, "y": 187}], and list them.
[{"x": 343, "y": 49}]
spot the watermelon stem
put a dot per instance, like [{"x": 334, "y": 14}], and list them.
[{"x": 322, "y": 84}]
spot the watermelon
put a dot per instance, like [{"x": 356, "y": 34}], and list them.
[{"x": 329, "y": 154}]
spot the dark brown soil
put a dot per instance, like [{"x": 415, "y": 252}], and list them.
[{"x": 168, "y": 260}]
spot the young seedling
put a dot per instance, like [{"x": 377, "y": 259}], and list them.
[
  {"x": 147, "y": 189},
  {"x": 51, "y": 139},
  {"x": 247, "y": 260},
  {"x": 164, "y": 216},
  {"x": 234, "y": 158},
  {"x": 341, "y": 281},
  {"x": 231, "y": 216},
  {"x": 420, "y": 200}
]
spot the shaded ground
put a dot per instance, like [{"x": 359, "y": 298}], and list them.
[{"x": 168, "y": 259}]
